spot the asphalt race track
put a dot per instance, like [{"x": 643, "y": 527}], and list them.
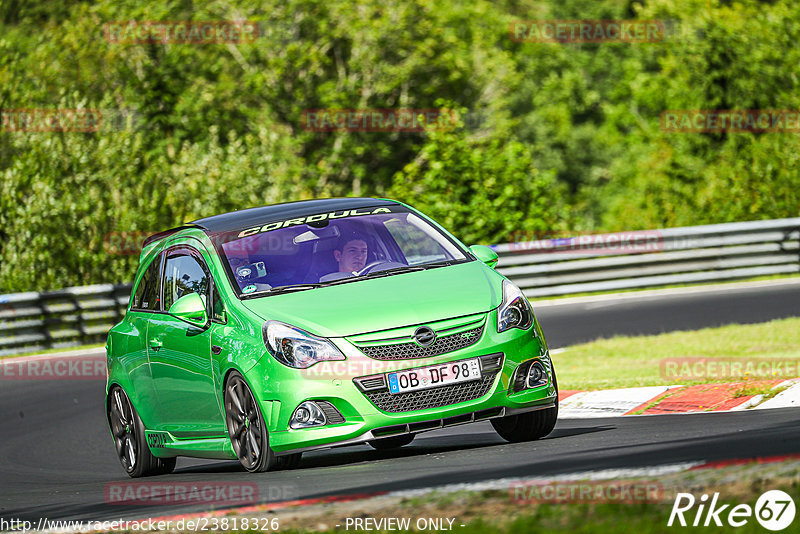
[
  {"x": 56, "y": 455},
  {"x": 567, "y": 323}
]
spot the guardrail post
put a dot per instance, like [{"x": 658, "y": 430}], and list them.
[{"x": 47, "y": 320}]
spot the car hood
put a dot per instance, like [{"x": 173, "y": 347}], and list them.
[{"x": 398, "y": 300}]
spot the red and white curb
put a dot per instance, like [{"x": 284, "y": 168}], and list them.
[
  {"x": 653, "y": 400},
  {"x": 606, "y": 403},
  {"x": 787, "y": 398}
]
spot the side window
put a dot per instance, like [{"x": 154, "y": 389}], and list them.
[
  {"x": 184, "y": 275},
  {"x": 147, "y": 292}
]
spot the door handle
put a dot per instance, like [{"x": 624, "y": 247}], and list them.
[
  {"x": 155, "y": 344},
  {"x": 216, "y": 349}
]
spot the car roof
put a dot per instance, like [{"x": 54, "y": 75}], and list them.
[{"x": 236, "y": 220}]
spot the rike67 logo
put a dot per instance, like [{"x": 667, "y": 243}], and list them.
[{"x": 774, "y": 510}]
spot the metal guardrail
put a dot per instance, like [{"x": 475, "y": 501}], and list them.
[
  {"x": 80, "y": 315},
  {"x": 652, "y": 258},
  {"x": 60, "y": 319}
]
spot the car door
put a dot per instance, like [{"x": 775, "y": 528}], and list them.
[
  {"x": 180, "y": 354},
  {"x": 145, "y": 302}
]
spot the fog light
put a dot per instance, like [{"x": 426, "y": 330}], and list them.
[
  {"x": 302, "y": 415},
  {"x": 537, "y": 376},
  {"x": 306, "y": 415}
]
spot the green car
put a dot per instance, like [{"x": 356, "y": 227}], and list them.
[{"x": 264, "y": 333}]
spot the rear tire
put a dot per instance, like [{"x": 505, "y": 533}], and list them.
[
  {"x": 246, "y": 428},
  {"x": 130, "y": 442},
  {"x": 528, "y": 426},
  {"x": 385, "y": 444}
]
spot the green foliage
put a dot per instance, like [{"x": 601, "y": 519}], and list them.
[
  {"x": 569, "y": 136},
  {"x": 732, "y": 56},
  {"x": 488, "y": 189}
]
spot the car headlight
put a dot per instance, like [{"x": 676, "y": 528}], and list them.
[
  {"x": 515, "y": 311},
  {"x": 296, "y": 348}
]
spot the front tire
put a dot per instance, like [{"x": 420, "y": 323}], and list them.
[
  {"x": 246, "y": 428},
  {"x": 528, "y": 426},
  {"x": 127, "y": 430}
]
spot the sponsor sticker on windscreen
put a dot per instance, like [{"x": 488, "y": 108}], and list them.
[{"x": 434, "y": 375}]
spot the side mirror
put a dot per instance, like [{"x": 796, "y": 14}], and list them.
[
  {"x": 190, "y": 308},
  {"x": 485, "y": 254}
]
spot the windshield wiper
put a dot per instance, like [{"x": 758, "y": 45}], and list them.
[
  {"x": 442, "y": 263},
  {"x": 390, "y": 272},
  {"x": 393, "y": 270},
  {"x": 294, "y": 287},
  {"x": 282, "y": 289},
  {"x": 376, "y": 274},
  {"x": 340, "y": 281}
]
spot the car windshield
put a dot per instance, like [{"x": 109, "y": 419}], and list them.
[{"x": 334, "y": 248}]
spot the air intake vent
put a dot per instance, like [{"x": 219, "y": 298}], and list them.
[
  {"x": 491, "y": 362},
  {"x": 371, "y": 383},
  {"x": 331, "y": 413}
]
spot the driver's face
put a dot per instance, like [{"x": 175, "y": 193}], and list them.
[{"x": 352, "y": 257}]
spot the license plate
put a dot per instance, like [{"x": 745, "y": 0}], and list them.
[{"x": 434, "y": 375}]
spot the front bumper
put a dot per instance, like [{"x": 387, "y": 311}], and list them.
[
  {"x": 334, "y": 382},
  {"x": 421, "y": 426}
]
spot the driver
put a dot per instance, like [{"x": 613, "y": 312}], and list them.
[{"x": 350, "y": 254}]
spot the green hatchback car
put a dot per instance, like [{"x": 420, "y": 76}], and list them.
[{"x": 264, "y": 333}]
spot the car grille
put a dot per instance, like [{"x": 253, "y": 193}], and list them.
[
  {"x": 431, "y": 398},
  {"x": 410, "y": 350}
]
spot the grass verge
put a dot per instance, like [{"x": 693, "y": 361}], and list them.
[{"x": 622, "y": 361}]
